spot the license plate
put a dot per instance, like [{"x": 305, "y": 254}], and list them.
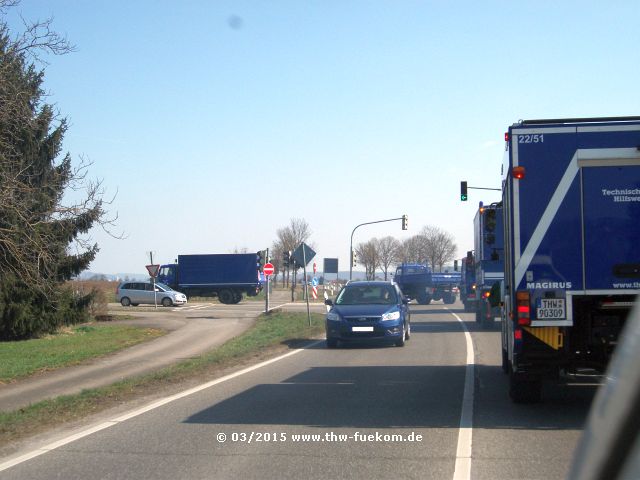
[
  {"x": 550, "y": 308},
  {"x": 362, "y": 329}
]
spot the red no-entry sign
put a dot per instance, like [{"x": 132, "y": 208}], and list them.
[{"x": 268, "y": 269}]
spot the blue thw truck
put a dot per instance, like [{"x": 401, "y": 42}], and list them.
[
  {"x": 226, "y": 276},
  {"x": 489, "y": 260},
  {"x": 419, "y": 282},
  {"x": 571, "y": 204},
  {"x": 468, "y": 282}
]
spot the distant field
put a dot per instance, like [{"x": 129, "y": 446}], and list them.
[{"x": 105, "y": 286}]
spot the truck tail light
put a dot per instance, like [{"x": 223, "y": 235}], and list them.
[
  {"x": 523, "y": 307},
  {"x": 518, "y": 173}
]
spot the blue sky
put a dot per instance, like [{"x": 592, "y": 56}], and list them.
[{"x": 216, "y": 122}]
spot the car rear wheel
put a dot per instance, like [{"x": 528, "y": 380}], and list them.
[
  {"x": 167, "y": 302},
  {"x": 125, "y": 301}
]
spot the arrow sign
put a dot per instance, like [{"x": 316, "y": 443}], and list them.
[{"x": 268, "y": 269}]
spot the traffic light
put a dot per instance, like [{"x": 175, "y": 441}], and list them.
[
  {"x": 455, "y": 265},
  {"x": 286, "y": 257},
  {"x": 353, "y": 258},
  {"x": 262, "y": 258},
  {"x": 463, "y": 191},
  {"x": 405, "y": 222}
]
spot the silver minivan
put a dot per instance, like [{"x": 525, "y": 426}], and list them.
[{"x": 135, "y": 293}]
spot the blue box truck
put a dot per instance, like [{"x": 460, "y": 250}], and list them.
[
  {"x": 489, "y": 261},
  {"x": 226, "y": 276},
  {"x": 571, "y": 204},
  {"x": 468, "y": 283}
]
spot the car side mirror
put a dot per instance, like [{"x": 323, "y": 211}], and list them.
[
  {"x": 328, "y": 302},
  {"x": 406, "y": 300}
]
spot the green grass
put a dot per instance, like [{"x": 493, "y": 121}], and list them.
[
  {"x": 70, "y": 347},
  {"x": 270, "y": 334}
]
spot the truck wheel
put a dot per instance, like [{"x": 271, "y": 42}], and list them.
[
  {"x": 226, "y": 296},
  {"x": 237, "y": 297},
  {"x": 523, "y": 389},
  {"x": 423, "y": 299}
]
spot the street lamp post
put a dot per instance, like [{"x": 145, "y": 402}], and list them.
[{"x": 354, "y": 231}]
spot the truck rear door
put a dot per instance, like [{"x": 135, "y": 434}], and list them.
[{"x": 611, "y": 222}]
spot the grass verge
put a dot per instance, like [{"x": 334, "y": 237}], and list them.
[
  {"x": 69, "y": 347},
  {"x": 270, "y": 334}
]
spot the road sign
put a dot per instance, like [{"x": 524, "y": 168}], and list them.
[
  {"x": 268, "y": 269},
  {"x": 303, "y": 254},
  {"x": 314, "y": 282},
  {"x": 330, "y": 265},
  {"x": 153, "y": 270}
]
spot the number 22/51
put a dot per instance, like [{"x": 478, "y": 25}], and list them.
[{"x": 534, "y": 138}]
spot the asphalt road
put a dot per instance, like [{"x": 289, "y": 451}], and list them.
[{"x": 351, "y": 405}]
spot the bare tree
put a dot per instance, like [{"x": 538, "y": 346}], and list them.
[
  {"x": 412, "y": 250},
  {"x": 289, "y": 238},
  {"x": 441, "y": 248},
  {"x": 367, "y": 255},
  {"x": 387, "y": 249}
]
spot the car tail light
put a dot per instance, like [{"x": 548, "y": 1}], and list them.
[{"x": 523, "y": 307}]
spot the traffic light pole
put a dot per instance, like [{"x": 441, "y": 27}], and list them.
[
  {"x": 266, "y": 307},
  {"x": 354, "y": 231}
]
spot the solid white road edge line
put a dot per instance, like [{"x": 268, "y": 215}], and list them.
[
  {"x": 463, "y": 453},
  {"x": 159, "y": 403}
]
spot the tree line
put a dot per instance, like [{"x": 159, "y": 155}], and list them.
[{"x": 432, "y": 246}]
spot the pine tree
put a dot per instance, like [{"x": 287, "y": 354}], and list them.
[{"x": 37, "y": 230}]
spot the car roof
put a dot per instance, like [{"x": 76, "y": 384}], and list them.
[{"x": 370, "y": 283}]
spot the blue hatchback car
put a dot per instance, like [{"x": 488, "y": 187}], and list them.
[{"x": 369, "y": 311}]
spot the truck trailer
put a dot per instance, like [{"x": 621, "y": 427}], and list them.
[
  {"x": 571, "y": 204},
  {"x": 226, "y": 276}
]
